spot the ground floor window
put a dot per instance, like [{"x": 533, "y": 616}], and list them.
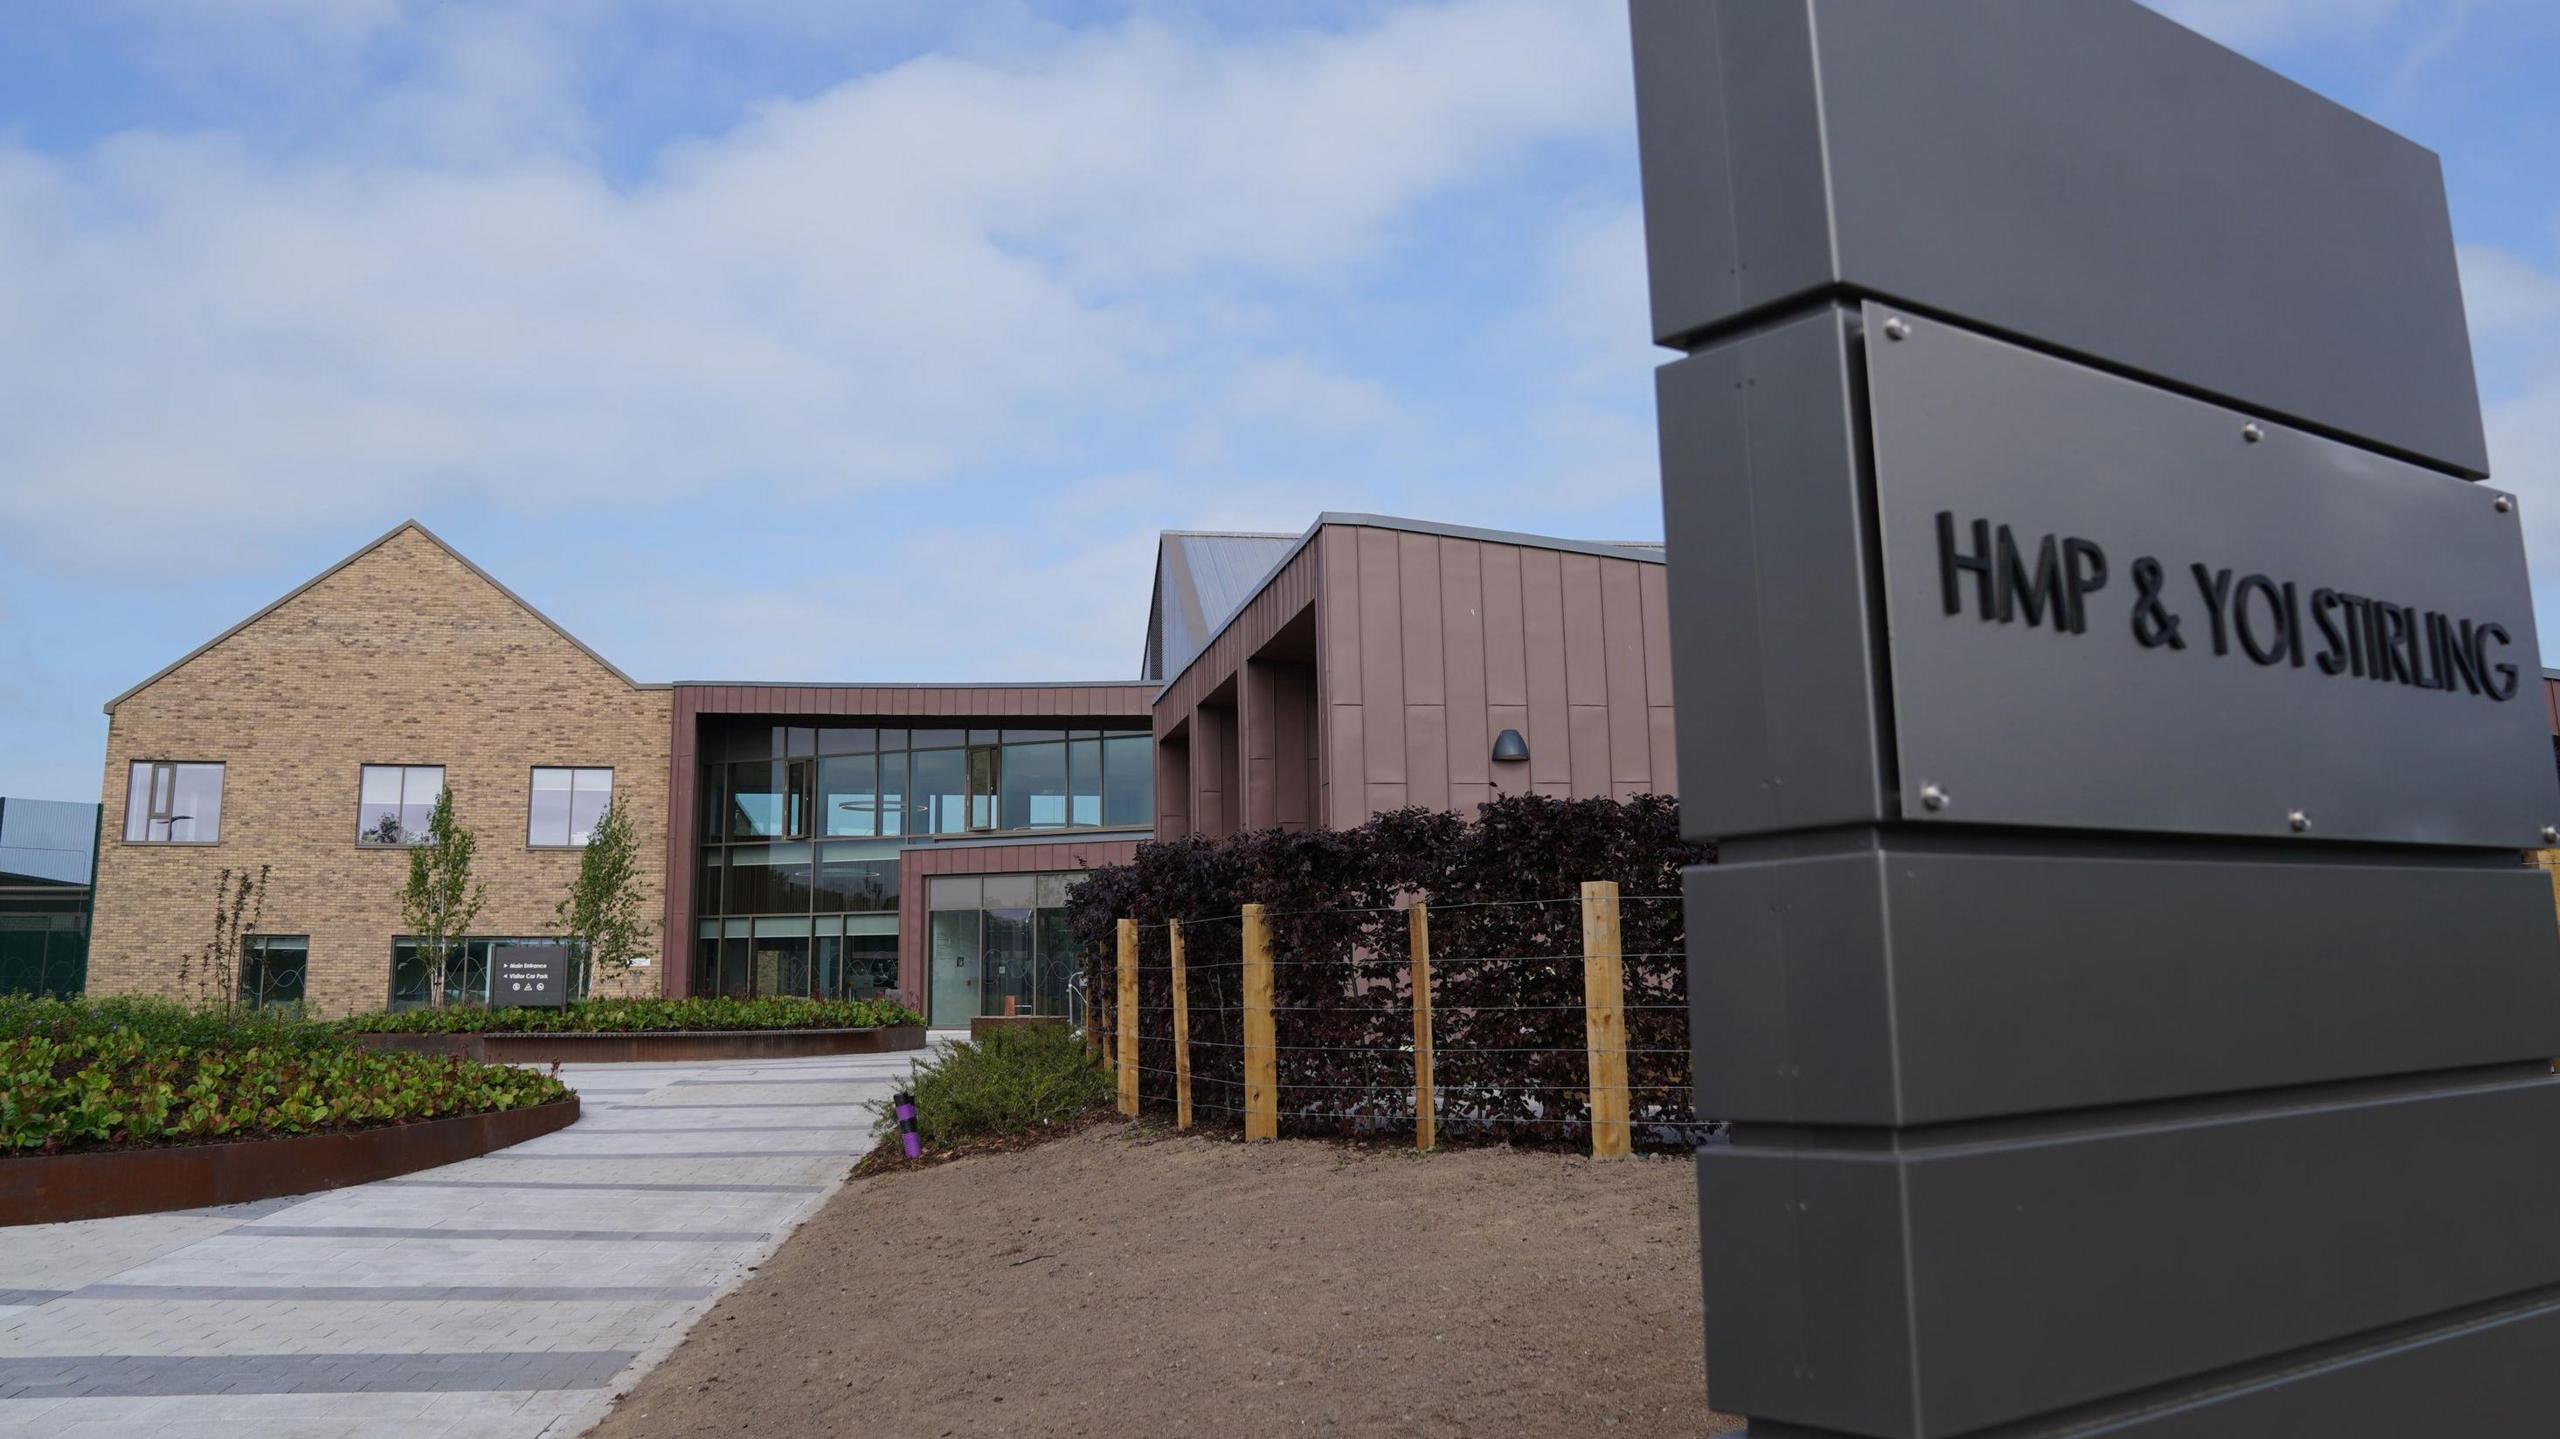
[
  {"x": 999, "y": 944},
  {"x": 826, "y": 956},
  {"x": 466, "y": 971},
  {"x": 272, "y": 967}
]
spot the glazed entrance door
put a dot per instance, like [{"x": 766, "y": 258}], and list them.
[
  {"x": 953, "y": 960},
  {"x": 1008, "y": 962}
]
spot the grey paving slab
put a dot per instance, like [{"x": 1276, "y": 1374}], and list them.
[
  {"x": 392, "y": 1231},
  {"x": 502, "y": 1296}
]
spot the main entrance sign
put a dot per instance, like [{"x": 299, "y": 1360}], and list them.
[
  {"x": 2117, "y": 717},
  {"x": 2117, "y": 608}
]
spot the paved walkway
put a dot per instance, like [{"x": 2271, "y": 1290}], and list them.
[{"x": 509, "y": 1295}]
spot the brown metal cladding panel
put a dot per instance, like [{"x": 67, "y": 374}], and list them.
[
  {"x": 1426, "y": 741},
  {"x": 1382, "y": 656},
  {"x": 1542, "y": 625},
  {"x": 1384, "y": 797},
  {"x": 1467, "y": 798},
  {"x": 1344, "y": 766},
  {"x": 911, "y": 925},
  {"x": 1293, "y": 803},
  {"x": 1261, "y": 793},
  {"x": 1665, "y": 745},
  {"x": 1590, "y": 749},
  {"x": 1256, "y": 684},
  {"x": 1340, "y": 613},
  {"x": 1586, "y": 631},
  {"x": 1421, "y": 630},
  {"x": 2551, "y": 702},
  {"x": 1462, "y": 621},
  {"x": 1506, "y": 645},
  {"x": 1655, "y": 597},
  {"x": 1622, "y": 609}
]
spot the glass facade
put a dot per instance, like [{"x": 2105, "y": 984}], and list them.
[{"x": 796, "y": 885}]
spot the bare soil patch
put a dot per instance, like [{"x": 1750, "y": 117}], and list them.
[{"x": 1127, "y": 1282}]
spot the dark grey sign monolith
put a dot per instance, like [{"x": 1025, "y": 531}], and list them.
[
  {"x": 530, "y": 976},
  {"x": 2119, "y": 711}
]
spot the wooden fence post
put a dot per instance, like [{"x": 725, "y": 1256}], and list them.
[
  {"x": 1128, "y": 1020},
  {"x": 1181, "y": 1030},
  {"x": 1261, "y": 1041},
  {"x": 1426, "y": 1129},
  {"x": 1604, "y": 1004}
]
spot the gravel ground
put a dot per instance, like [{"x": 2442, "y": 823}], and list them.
[{"x": 1127, "y": 1282}]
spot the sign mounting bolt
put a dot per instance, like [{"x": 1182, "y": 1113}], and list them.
[
  {"x": 1895, "y": 329},
  {"x": 2298, "y": 820},
  {"x": 1932, "y": 797},
  {"x": 2551, "y": 834},
  {"x": 2252, "y": 433},
  {"x": 2505, "y": 504}
]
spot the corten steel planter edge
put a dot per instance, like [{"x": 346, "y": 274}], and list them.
[
  {"x": 52, "y": 1189},
  {"x": 642, "y": 1046}
]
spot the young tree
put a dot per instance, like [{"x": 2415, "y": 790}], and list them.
[
  {"x": 441, "y": 899},
  {"x": 604, "y": 917},
  {"x": 239, "y": 902}
]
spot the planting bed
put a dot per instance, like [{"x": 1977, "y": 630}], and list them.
[
  {"x": 670, "y": 1046},
  {"x": 103, "y": 1183}
]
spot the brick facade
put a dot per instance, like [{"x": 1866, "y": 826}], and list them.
[{"x": 404, "y": 654}]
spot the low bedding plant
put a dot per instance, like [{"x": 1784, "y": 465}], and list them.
[
  {"x": 631, "y": 1016},
  {"x": 131, "y": 1073},
  {"x": 1013, "y": 1087}
]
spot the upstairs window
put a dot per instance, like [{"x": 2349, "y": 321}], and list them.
[
  {"x": 394, "y": 802},
  {"x": 170, "y": 803},
  {"x": 566, "y": 803}
]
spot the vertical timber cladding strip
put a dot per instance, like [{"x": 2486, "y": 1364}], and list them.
[
  {"x": 1261, "y": 1041},
  {"x": 1126, "y": 1021},
  {"x": 1426, "y": 1131},
  {"x": 1181, "y": 1028},
  {"x": 1604, "y": 997}
]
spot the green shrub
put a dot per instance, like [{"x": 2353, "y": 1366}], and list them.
[
  {"x": 163, "y": 1022},
  {"x": 120, "y": 1086},
  {"x": 630, "y": 1016},
  {"x": 1012, "y": 1082}
]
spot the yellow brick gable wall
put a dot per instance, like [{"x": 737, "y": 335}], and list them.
[{"x": 404, "y": 656}]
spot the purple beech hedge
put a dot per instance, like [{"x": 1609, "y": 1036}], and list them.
[{"x": 1507, "y": 994}]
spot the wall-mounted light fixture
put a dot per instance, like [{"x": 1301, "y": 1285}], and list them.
[{"x": 1508, "y": 745}]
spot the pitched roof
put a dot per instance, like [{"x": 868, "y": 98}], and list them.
[
  {"x": 1651, "y": 552},
  {"x": 1202, "y": 578},
  {"x": 385, "y": 538}
]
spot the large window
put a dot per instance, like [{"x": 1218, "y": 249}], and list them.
[
  {"x": 172, "y": 803},
  {"x": 566, "y": 803},
  {"x": 466, "y": 972},
  {"x": 395, "y": 801},
  {"x": 272, "y": 967}
]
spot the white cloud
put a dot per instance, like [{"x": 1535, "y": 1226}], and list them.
[
  {"x": 2505, "y": 294},
  {"x": 2242, "y": 24},
  {"x": 2514, "y": 310},
  {"x": 927, "y": 270}
]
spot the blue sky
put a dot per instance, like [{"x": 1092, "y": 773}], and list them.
[{"x": 795, "y": 339}]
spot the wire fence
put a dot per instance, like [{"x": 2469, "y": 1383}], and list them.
[{"x": 1560, "y": 1021}]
